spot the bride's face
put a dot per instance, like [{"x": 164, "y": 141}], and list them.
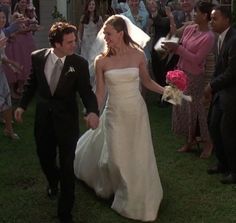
[{"x": 111, "y": 36}]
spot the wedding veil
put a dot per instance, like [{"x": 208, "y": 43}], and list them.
[{"x": 99, "y": 45}]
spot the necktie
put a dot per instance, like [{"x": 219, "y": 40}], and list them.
[
  {"x": 219, "y": 44},
  {"x": 55, "y": 75}
]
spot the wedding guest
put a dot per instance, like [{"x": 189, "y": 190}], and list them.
[
  {"x": 31, "y": 16},
  {"x": 123, "y": 6},
  {"x": 19, "y": 49},
  {"x": 179, "y": 19},
  {"x": 221, "y": 89},
  {"x": 196, "y": 43},
  {"x": 163, "y": 62},
  {"x": 5, "y": 5},
  {"x": 10, "y": 27},
  {"x": 5, "y": 97},
  {"x": 90, "y": 24},
  {"x": 57, "y": 76},
  {"x": 136, "y": 15},
  {"x": 118, "y": 158},
  {"x": 185, "y": 14},
  {"x": 159, "y": 26}
]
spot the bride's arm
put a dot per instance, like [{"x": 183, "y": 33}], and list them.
[
  {"x": 145, "y": 77},
  {"x": 100, "y": 82}
]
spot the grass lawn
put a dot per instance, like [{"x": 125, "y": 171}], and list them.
[{"x": 190, "y": 195}]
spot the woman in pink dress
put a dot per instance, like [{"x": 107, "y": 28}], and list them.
[
  {"x": 190, "y": 119},
  {"x": 19, "y": 49}
]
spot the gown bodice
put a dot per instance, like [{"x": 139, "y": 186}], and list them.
[{"x": 122, "y": 83}]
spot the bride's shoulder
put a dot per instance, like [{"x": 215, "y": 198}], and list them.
[
  {"x": 101, "y": 62},
  {"x": 100, "y": 59}
]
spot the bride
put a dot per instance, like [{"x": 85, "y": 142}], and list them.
[{"x": 118, "y": 157}]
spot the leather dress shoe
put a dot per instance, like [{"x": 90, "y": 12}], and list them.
[
  {"x": 216, "y": 170},
  {"x": 230, "y": 179},
  {"x": 52, "y": 193}
]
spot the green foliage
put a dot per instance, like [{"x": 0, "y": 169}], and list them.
[
  {"x": 57, "y": 16},
  {"x": 190, "y": 195}
]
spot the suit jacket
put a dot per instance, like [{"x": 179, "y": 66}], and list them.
[
  {"x": 223, "y": 83},
  {"x": 59, "y": 112}
]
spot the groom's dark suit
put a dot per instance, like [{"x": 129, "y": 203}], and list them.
[
  {"x": 56, "y": 119},
  {"x": 223, "y": 107}
]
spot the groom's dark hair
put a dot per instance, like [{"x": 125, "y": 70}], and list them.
[{"x": 58, "y": 30}]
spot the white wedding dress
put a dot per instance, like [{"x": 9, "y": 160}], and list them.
[{"x": 118, "y": 157}]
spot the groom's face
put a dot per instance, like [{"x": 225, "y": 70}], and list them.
[{"x": 68, "y": 45}]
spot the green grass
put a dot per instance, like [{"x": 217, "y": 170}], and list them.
[{"x": 190, "y": 195}]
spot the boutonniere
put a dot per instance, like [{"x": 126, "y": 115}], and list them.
[{"x": 70, "y": 70}]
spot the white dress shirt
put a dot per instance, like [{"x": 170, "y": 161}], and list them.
[{"x": 221, "y": 39}]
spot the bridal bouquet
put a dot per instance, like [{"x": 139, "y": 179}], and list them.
[{"x": 173, "y": 93}]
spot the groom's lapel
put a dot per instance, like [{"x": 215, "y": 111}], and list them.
[{"x": 42, "y": 67}]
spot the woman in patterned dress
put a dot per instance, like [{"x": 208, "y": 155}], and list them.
[{"x": 190, "y": 119}]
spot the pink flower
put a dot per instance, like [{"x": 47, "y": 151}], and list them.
[{"x": 177, "y": 78}]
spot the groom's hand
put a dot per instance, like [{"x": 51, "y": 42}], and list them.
[
  {"x": 18, "y": 114},
  {"x": 92, "y": 120}
]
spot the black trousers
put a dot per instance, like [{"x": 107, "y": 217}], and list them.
[
  {"x": 222, "y": 127},
  {"x": 56, "y": 159}
]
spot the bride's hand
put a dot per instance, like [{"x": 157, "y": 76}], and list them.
[{"x": 92, "y": 120}]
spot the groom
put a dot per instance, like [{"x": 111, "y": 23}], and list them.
[{"x": 56, "y": 118}]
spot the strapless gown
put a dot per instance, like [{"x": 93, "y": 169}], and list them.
[{"x": 118, "y": 157}]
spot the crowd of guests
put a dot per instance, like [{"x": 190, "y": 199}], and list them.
[{"x": 18, "y": 24}]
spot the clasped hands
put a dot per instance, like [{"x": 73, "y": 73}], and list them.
[{"x": 92, "y": 120}]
